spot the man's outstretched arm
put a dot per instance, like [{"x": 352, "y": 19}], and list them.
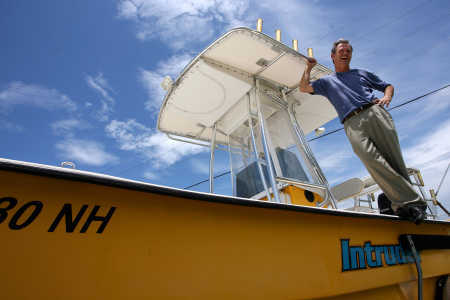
[{"x": 305, "y": 85}]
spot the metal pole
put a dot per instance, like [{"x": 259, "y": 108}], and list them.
[
  {"x": 231, "y": 167},
  {"x": 258, "y": 162},
  {"x": 211, "y": 161},
  {"x": 303, "y": 152},
  {"x": 301, "y": 184},
  {"x": 273, "y": 182},
  {"x": 302, "y": 144},
  {"x": 420, "y": 184},
  {"x": 301, "y": 140},
  {"x": 308, "y": 152},
  {"x": 309, "y": 155},
  {"x": 442, "y": 180}
]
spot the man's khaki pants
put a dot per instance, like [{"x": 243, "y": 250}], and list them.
[{"x": 374, "y": 139}]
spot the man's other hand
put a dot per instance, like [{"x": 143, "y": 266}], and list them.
[{"x": 385, "y": 101}]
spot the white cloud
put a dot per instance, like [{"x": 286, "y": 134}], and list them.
[
  {"x": 165, "y": 151},
  {"x": 432, "y": 150},
  {"x": 431, "y": 155},
  {"x": 156, "y": 146},
  {"x": 338, "y": 165},
  {"x": 85, "y": 151},
  {"x": 419, "y": 114},
  {"x": 152, "y": 79},
  {"x": 199, "y": 166},
  {"x": 179, "y": 23},
  {"x": 332, "y": 160},
  {"x": 9, "y": 126},
  {"x": 66, "y": 127},
  {"x": 172, "y": 23},
  {"x": 150, "y": 175},
  {"x": 100, "y": 85},
  {"x": 19, "y": 93}
]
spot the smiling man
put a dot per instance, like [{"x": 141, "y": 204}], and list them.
[{"x": 368, "y": 126}]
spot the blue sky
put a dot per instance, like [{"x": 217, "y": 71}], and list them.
[{"x": 80, "y": 80}]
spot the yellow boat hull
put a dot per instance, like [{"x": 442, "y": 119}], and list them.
[{"x": 87, "y": 237}]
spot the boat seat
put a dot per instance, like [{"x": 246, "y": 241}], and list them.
[
  {"x": 347, "y": 189},
  {"x": 355, "y": 188},
  {"x": 368, "y": 182},
  {"x": 290, "y": 166},
  {"x": 365, "y": 209},
  {"x": 249, "y": 183}
]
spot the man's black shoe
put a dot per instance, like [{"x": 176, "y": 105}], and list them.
[
  {"x": 384, "y": 205},
  {"x": 414, "y": 212}
]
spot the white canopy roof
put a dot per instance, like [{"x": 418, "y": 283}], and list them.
[{"x": 210, "y": 87}]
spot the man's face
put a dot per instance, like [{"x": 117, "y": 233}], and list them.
[{"x": 343, "y": 54}]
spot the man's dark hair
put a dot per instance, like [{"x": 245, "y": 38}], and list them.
[{"x": 340, "y": 41}]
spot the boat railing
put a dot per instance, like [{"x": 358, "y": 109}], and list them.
[
  {"x": 308, "y": 186},
  {"x": 365, "y": 190}
]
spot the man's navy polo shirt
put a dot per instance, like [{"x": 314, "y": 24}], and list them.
[{"x": 350, "y": 90}]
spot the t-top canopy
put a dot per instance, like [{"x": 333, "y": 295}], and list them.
[{"x": 213, "y": 84}]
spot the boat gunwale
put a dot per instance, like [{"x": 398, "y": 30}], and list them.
[{"x": 118, "y": 182}]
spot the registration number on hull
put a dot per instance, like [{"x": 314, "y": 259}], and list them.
[{"x": 19, "y": 216}]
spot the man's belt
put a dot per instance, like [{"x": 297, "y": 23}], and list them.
[{"x": 356, "y": 111}]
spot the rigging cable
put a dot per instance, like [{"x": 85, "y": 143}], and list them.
[
  {"x": 392, "y": 108},
  {"x": 206, "y": 180},
  {"x": 339, "y": 129},
  {"x": 442, "y": 180},
  {"x": 393, "y": 20},
  {"x": 361, "y": 17}
]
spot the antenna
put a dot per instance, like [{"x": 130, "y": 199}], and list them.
[
  {"x": 295, "y": 45},
  {"x": 68, "y": 164},
  {"x": 259, "y": 25},
  {"x": 167, "y": 83},
  {"x": 278, "y": 35}
]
